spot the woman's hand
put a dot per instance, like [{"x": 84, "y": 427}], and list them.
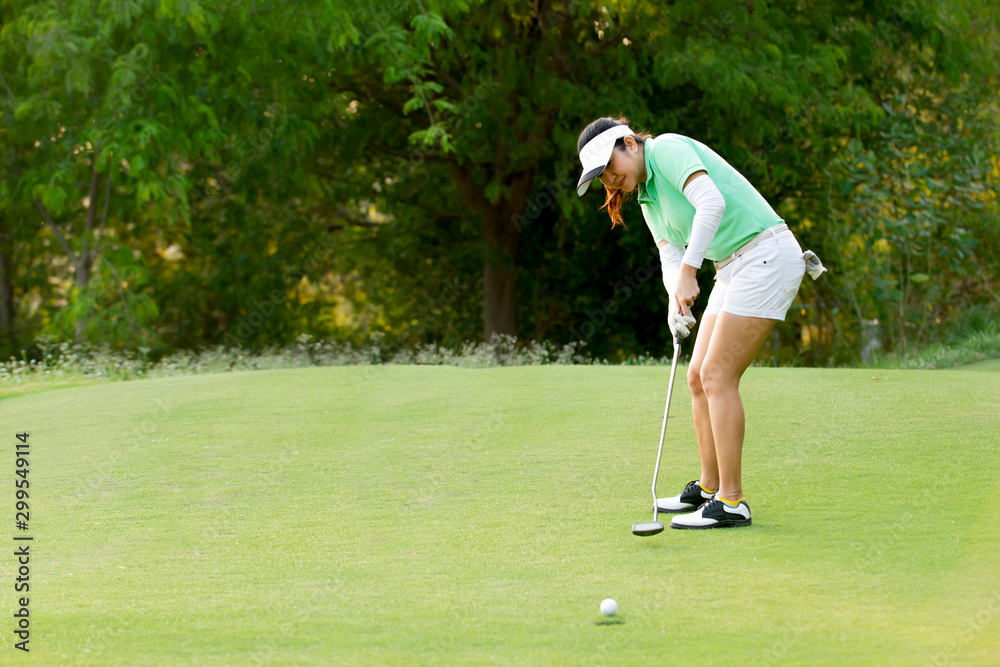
[
  {"x": 680, "y": 325},
  {"x": 686, "y": 289}
]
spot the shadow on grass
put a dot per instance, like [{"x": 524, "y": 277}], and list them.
[{"x": 610, "y": 621}]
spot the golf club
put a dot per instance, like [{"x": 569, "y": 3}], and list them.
[{"x": 653, "y": 527}]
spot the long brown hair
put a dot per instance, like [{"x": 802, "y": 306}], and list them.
[{"x": 614, "y": 198}]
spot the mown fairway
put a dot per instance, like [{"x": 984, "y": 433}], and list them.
[{"x": 437, "y": 515}]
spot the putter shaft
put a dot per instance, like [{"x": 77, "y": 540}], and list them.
[{"x": 663, "y": 429}]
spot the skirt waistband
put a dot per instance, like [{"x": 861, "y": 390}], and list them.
[{"x": 751, "y": 244}]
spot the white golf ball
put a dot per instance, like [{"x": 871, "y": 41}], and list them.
[{"x": 609, "y": 607}]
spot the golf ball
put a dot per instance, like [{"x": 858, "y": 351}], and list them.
[{"x": 609, "y": 607}]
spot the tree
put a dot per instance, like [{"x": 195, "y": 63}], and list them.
[
  {"x": 490, "y": 97},
  {"x": 243, "y": 173},
  {"x": 88, "y": 114}
]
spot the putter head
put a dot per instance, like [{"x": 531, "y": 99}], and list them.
[{"x": 647, "y": 529}]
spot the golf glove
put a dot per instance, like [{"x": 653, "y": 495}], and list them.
[
  {"x": 680, "y": 325},
  {"x": 814, "y": 267}
]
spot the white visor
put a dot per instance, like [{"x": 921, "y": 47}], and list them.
[{"x": 597, "y": 153}]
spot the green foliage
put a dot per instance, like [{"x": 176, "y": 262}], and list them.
[
  {"x": 711, "y": 71},
  {"x": 344, "y": 169},
  {"x": 917, "y": 226},
  {"x": 115, "y": 307}
]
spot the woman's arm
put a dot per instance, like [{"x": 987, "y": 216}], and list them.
[
  {"x": 670, "y": 261},
  {"x": 710, "y": 206}
]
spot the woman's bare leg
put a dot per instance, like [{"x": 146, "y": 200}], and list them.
[
  {"x": 734, "y": 342},
  {"x": 699, "y": 406}
]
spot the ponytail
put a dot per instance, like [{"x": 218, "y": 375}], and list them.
[{"x": 613, "y": 205}]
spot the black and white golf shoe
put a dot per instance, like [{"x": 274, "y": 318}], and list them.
[
  {"x": 714, "y": 514},
  {"x": 691, "y": 497}
]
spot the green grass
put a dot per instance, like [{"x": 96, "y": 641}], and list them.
[
  {"x": 431, "y": 515},
  {"x": 993, "y": 365},
  {"x": 972, "y": 346}
]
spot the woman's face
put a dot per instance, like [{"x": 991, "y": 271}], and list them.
[{"x": 624, "y": 168}]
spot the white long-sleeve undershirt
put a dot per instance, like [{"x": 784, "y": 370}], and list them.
[
  {"x": 709, "y": 207},
  {"x": 670, "y": 263}
]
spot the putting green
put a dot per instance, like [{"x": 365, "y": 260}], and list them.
[{"x": 436, "y": 515}]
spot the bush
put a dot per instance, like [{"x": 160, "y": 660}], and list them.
[
  {"x": 976, "y": 339},
  {"x": 65, "y": 361}
]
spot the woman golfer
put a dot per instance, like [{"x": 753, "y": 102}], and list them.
[{"x": 696, "y": 207}]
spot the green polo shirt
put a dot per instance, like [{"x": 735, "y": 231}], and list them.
[{"x": 670, "y": 159}]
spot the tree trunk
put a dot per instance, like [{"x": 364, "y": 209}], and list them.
[
  {"x": 502, "y": 224},
  {"x": 83, "y": 271},
  {"x": 498, "y": 276},
  {"x": 500, "y": 232},
  {"x": 7, "y": 332}
]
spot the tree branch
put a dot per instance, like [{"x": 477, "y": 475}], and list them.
[
  {"x": 413, "y": 79},
  {"x": 363, "y": 87},
  {"x": 428, "y": 156},
  {"x": 351, "y": 219},
  {"x": 95, "y": 181},
  {"x": 606, "y": 44},
  {"x": 9, "y": 91},
  {"x": 253, "y": 13},
  {"x": 471, "y": 193},
  {"x": 450, "y": 80},
  {"x": 58, "y": 233},
  {"x": 121, "y": 293},
  {"x": 565, "y": 34},
  {"x": 433, "y": 211},
  {"x": 104, "y": 216},
  {"x": 95, "y": 177}
]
